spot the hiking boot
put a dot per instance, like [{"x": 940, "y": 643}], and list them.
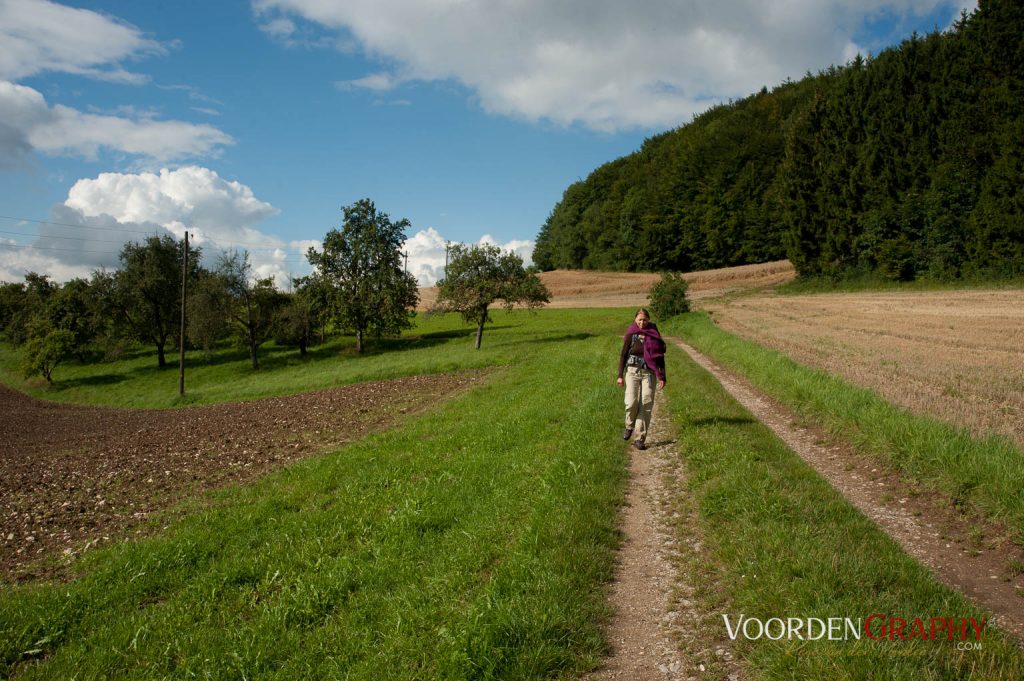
[
  {"x": 639, "y": 444},
  {"x": 627, "y": 433}
]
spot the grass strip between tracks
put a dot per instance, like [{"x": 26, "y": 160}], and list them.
[
  {"x": 780, "y": 542},
  {"x": 979, "y": 472},
  {"x": 472, "y": 542}
]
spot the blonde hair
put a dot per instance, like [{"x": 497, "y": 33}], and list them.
[{"x": 644, "y": 310}]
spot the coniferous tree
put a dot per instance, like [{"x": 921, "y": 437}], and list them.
[{"x": 905, "y": 164}]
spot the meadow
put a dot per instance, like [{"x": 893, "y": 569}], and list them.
[
  {"x": 474, "y": 540},
  {"x": 471, "y": 542}
]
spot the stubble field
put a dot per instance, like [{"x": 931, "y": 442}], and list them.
[
  {"x": 954, "y": 355},
  {"x": 588, "y": 289}
]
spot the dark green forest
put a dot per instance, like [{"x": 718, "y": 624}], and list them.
[{"x": 906, "y": 165}]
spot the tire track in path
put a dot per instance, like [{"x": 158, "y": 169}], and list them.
[
  {"x": 655, "y": 633},
  {"x": 928, "y": 528}
]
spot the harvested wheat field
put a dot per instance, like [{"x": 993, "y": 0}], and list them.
[
  {"x": 954, "y": 355},
  {"x": 587, "y": 288}
]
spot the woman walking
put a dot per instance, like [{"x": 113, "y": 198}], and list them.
[{"x": 641, "y": 366}]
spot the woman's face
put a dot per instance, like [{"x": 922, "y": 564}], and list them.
[{"x": 641, "y": 320}]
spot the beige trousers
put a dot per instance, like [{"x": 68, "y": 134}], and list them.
[{"x": 640, "y": 387}]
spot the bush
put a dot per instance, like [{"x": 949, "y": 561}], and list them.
[
  {"x": 668, "y": 296},
  {"x": 45, "y": 349}
]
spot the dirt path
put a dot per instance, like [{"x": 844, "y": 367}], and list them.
[
  {"x": 967, "y": 553},
  {"x": 654, "y": 633},
  {"x": 73, "y": 476}
]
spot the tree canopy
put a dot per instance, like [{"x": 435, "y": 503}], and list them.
[
  {"x": 147, "y": 288},
  {"x": 479, "y": 276},
  {"x": 906, "y": 164},
  {"x": 362, "y": 265},
  {"x": 250, "y": 305}
]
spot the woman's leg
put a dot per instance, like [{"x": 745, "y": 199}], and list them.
[
  {"x": 633, "y": 396},
  {"x": 648, "y": 384}
]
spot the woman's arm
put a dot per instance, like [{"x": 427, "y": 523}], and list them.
[{"x": 623, "y": 354}]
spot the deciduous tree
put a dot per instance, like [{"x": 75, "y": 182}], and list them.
[
  {"x": 479, "y": 276},
  {"x": 252, "y": 304},
  {"x": 300, "y": 318},
  {"x": 206, "y": 312},
  {"x": 147, "y": 290},
  {"x": 362, "y": 265},
  {"x": 46, "y": 348}
]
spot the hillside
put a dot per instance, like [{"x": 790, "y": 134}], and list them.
[{"x": 908, "y": 164}]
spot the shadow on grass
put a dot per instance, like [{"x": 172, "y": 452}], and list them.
[
  {"x": 344, "y": 349},
  {"x": 564, "y": 337},
  {"x": 98, "y": 379},
  {"x": 271, "y": 358},
  {"x": 722, "y": 421}
]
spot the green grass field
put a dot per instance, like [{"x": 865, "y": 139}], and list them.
[
  {"x": 981, "y": 472},
  {"x": 785, "y": 544},
  {"x": 473, "y": 541},
  {"x": 438, "y": 344}
]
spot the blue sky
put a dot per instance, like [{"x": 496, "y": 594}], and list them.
[{"x": 252, "y": 123}]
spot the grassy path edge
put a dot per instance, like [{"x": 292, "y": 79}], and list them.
[
  {"x": 975, "y": 472},
  {"x": 935, "y": 534},
  {"x": 780, "y": 542}
]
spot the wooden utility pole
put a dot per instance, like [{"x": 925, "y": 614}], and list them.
[{"x": 181, "y": 341}]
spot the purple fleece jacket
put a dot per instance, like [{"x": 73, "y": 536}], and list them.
[{"x": 654, "y": 353}]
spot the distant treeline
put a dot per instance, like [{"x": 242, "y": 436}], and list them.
[{"x": 909, "y": 164}]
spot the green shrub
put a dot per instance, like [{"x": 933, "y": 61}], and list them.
[
  {"x": 668, "y": 296},
  {"x": 45, "y": 349}
]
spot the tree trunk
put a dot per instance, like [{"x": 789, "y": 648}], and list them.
[
  {"x": 250, "y": 328},
  {"x": 359, "y": 341},
  {"x": 480, "y": 328},
  {"x": 161, "y": 361}
]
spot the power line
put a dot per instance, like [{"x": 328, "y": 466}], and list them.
[
  {"x": 70, "y": 238},
  {"x": 52, "y": 248},
  {"x": 215, "y": 242},
  {"x": 113, "y": 253},
  {"x": 65, "y": 224},
  {"x": 219, "y": 243}
]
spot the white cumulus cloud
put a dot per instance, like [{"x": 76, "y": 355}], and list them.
[
  {"x": 39, "y": 36},
  {"x": 427, "y": 252},
  {"x": 194, "y": 196},
  {"x": 16, "y": 260},
  {"x": 605, "y": 64},
  {"x": 426, "y": 249},
  {"x": 521, "y": 247},
  {"x": 87, "y": 230},
  {"x": 28, "y": 122}
]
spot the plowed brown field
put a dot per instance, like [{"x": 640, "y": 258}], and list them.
[{"x": 72, "y": 476}]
